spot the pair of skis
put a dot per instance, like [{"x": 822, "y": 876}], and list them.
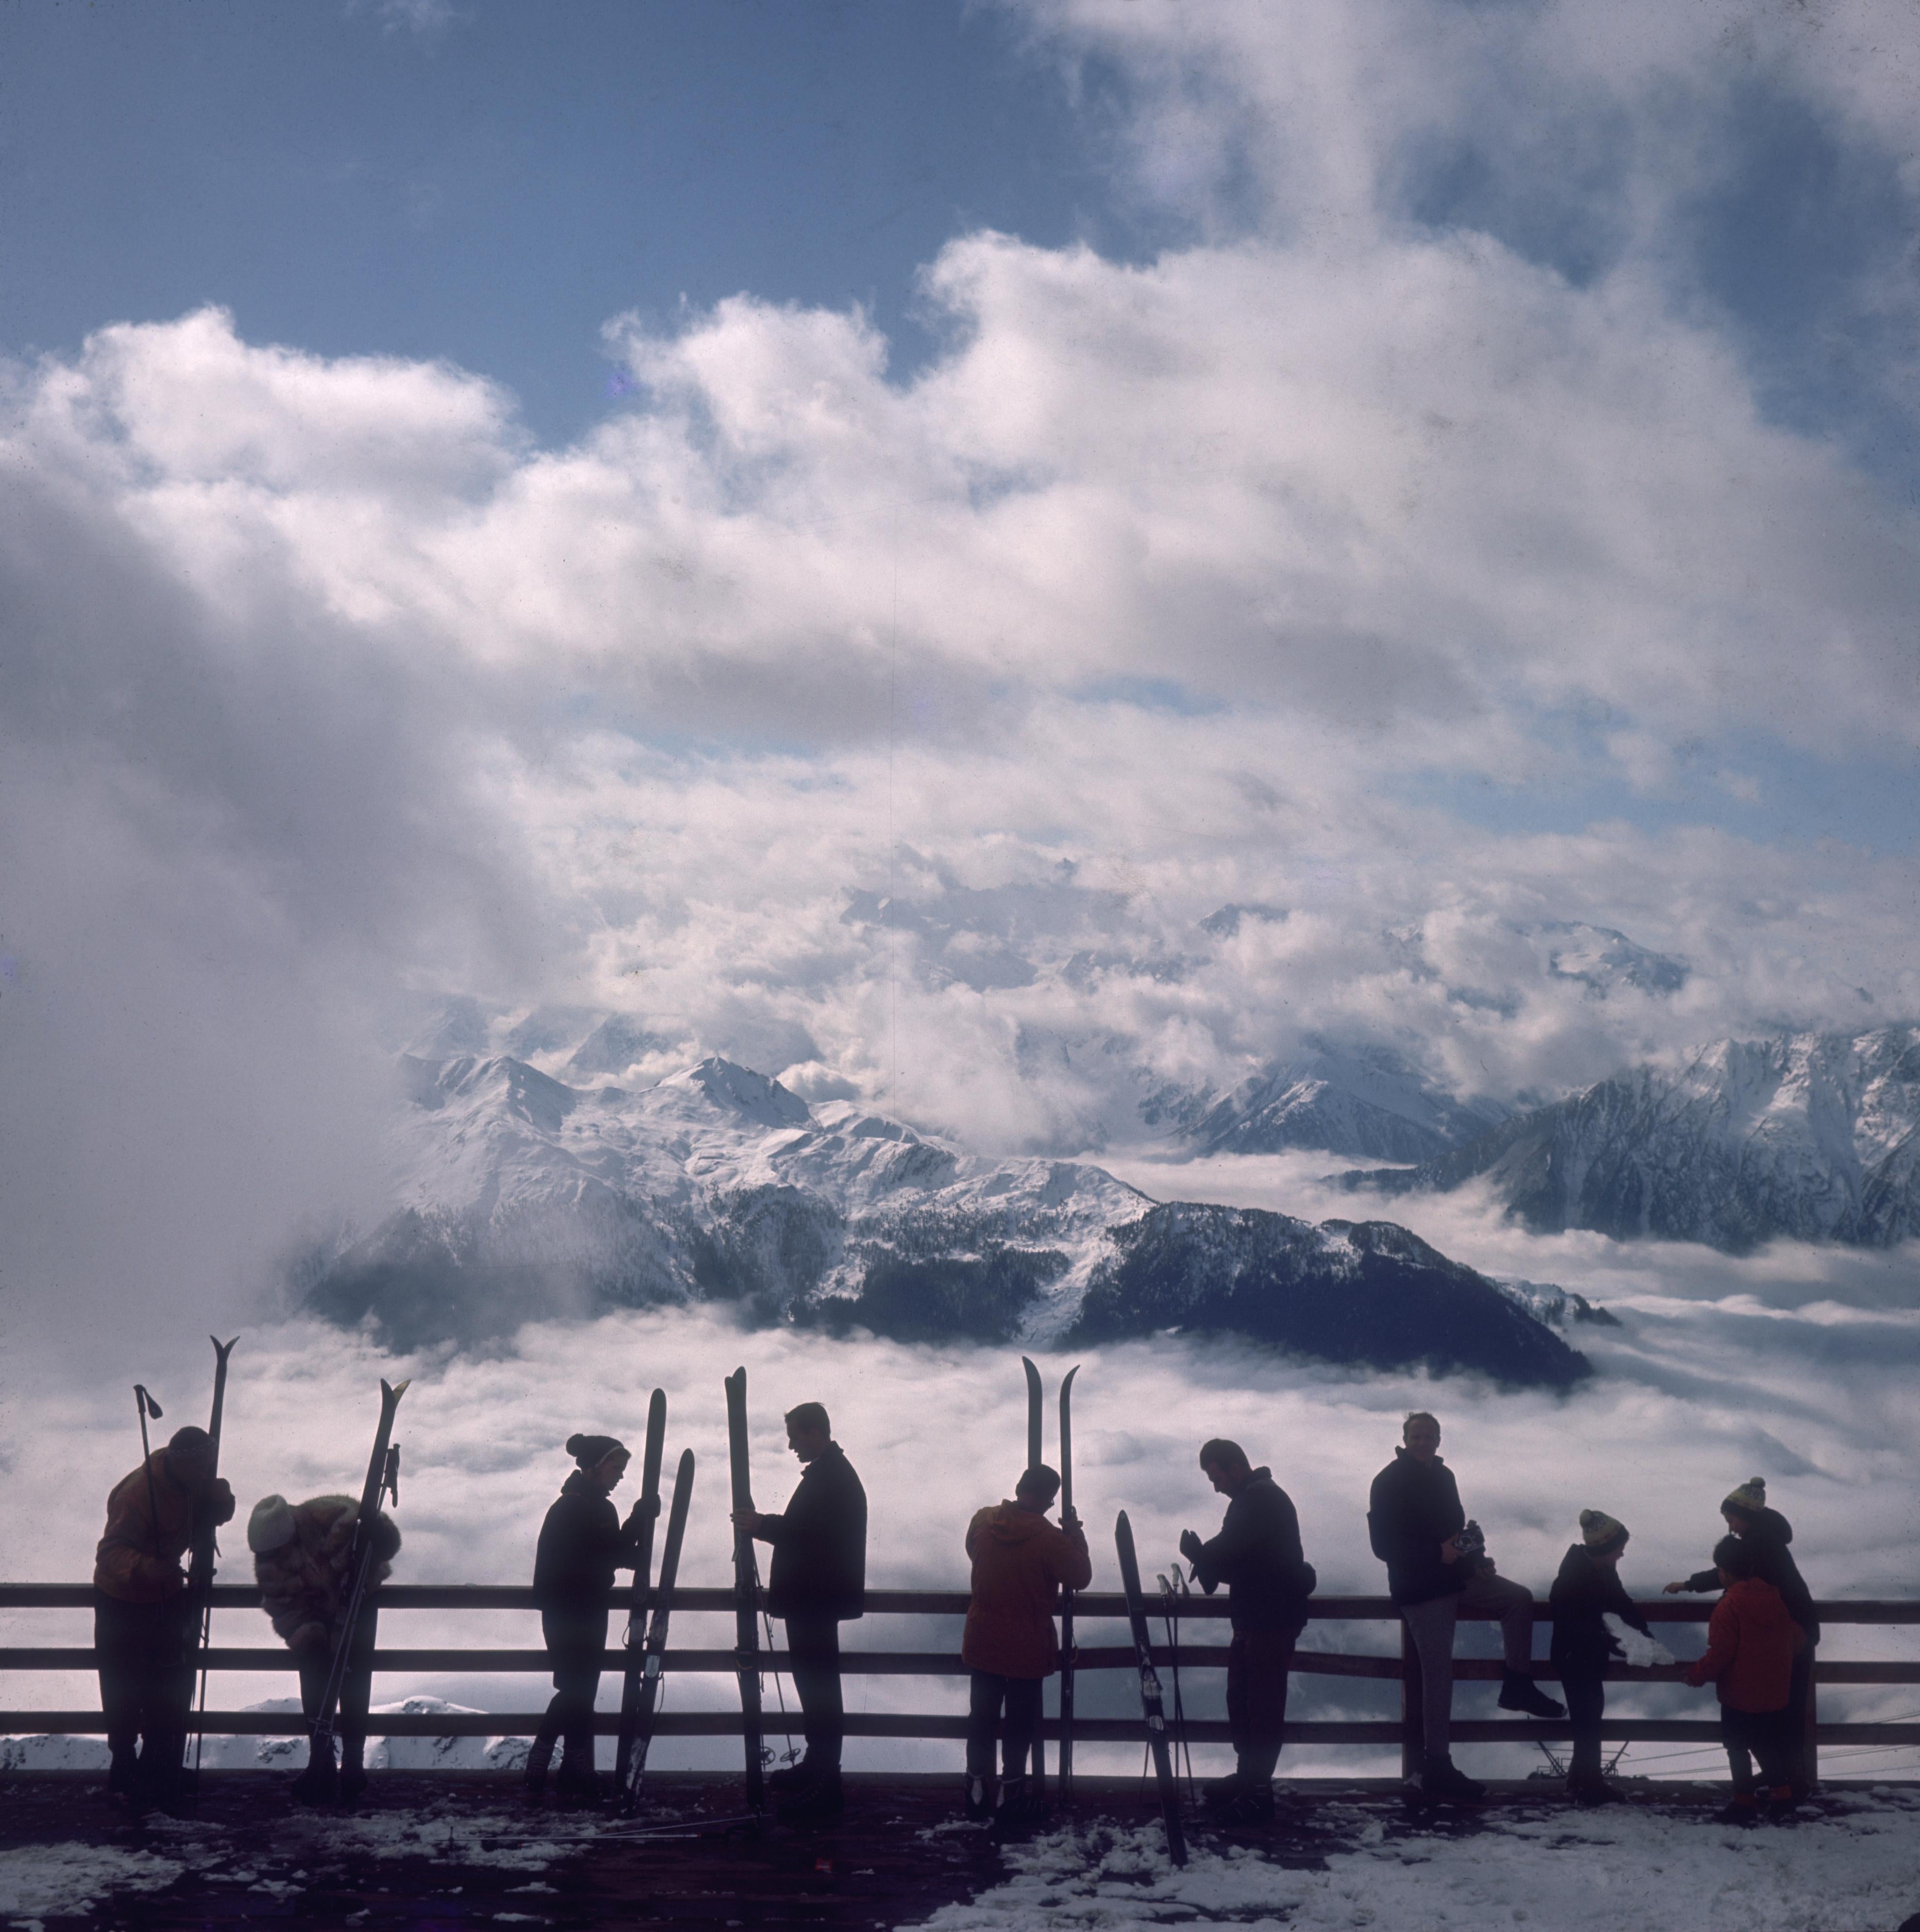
[
  {"x": 640, "y": 1689},
  {"x": 746, "y": 1593},
  {"x": 1035, "y": 1456}
]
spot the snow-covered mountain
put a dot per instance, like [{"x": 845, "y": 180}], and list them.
[
  {"x": 1813, "y": 1136},
  {"x": 517, "y": 1195},
  {"x": 1365, "y": 1099}
]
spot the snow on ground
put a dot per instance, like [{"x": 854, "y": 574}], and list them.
[
  {"x": 1856, "y": 1869},
  {"x": 47, "y": 1881}
]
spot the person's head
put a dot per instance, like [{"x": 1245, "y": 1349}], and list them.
[
  {"x": 1736, "y": 1560},
  {"x": 1225, "y": 1465},
  {"x": 189, "y": 1457},
  {"x": 808, "y": 1431},
  {"x": 603, "y": 1458},
  {"x": 1421, "y": 1434},
  {"x": 1604, "y": 1536},
  {"x": 1739, "y": 1507},
  {"x": 1036, "y": 1489}
]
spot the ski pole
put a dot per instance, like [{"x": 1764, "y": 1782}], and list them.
[{"x": 146, "y": 1405}]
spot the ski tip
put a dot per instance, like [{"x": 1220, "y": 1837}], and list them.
[
  {"x": 394, "y": 1391},
  {"x": 222, "y": 1349},
  {"x": 1066, "y": 1381}
]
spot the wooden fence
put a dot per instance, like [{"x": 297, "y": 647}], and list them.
[{"x": 1089, "y": 1606}]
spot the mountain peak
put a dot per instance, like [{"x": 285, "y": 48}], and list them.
[{"x": 740, "y": 1090}]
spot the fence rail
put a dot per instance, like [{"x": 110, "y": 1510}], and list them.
[{"x": 1088, "y": 1605}]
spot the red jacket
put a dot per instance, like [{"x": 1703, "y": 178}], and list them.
[
  {"x": 1751, "y": 1646},
  {"x": 138, "y": 1560},
  {"x": 1020, "y": 1561}
]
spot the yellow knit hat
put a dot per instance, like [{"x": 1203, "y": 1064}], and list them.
[
  {"x": 1750, "y": 1498},
  {"x": 1599, "y": 1531}
]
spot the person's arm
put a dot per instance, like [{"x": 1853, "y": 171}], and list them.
[
  {"x": 1700, "y": 1580},
  {"x": 1073, "y": 1565},
  {"x": 1722, "y": 1647},
  {"x": 1623, "y": 1606},
  {"x": 126, "y": 1556}
]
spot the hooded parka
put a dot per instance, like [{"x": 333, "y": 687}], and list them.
[{"x": 1020, "y": 1561}]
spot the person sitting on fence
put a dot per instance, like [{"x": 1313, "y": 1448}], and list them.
[
  {"x": 1020, "y": 1561},
  {"x": 1586, "y": 1593},
  {"x": 304, "y": 1563},
  {"x": 1751, "y": 1644},
  {"x": 142, "y": 1628},
  {"x": 816, "y": 1581},
  {"x": 1436, "y": 1568},
  {"x": 1768, "y": 1533},
  {"x": 1257, "y": 1555},
  {"x": 582, "y": 1542}
]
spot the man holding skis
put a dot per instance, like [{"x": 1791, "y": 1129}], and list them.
[
  {"x": 142, "y": 1623},
  {"x": 1435, "y": 1570},
  {"x": 1257, "y": 1555},
  {"x": 818, "y": 1581}
]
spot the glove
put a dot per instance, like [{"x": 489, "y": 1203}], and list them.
[{"x": 1190, "y": 1546}]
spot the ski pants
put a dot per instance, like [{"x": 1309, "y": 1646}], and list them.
[
  {"x": 987, "y": 1692},
  {"x": 1431, "y": 1625},
  {"x": 146, "y": 1687},
  {"x": 1258, "y": 1662},
  {"x": 576, "y": 1641},
  {"x": 1771, "y": 1736},
  {"x": 356, "y": 1689},
  {"x": 1585, "y": 1692},
  {"x": 813, "y": 1652}
]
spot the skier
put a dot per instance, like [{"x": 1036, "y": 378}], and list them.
[
  {"x": 1020, "y": 1561},
  {"x": 143, "y": 1628},
  {"x": 303, "y": 1561},
  {"x": 582, "y": 1543},
  {"x": 1257, "y": 1555},
  {"x": 1745, "y": 1513},
  {"x": 818, "y": 1581},
  {"x": 1751, "y": 1643},
  {"x": 1415, "y": 1523},
  {"x": 1586, "y": 1590}
]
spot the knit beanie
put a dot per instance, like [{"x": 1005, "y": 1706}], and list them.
[
  {"x": 1599, "y": 1531},
  {"x": 590, "y": 1451},
  {"x": 1750, "y": 1498},
  {"x": 270, "y": 1526}
]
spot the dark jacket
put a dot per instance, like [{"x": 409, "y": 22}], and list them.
[
  {"x": 582, "y": 1543},
  {"x": 1413, "y": 1508},
  {"x": 820, "y": 1543},
  {"x": 1584, "y": 1593},
  {"x": 1257, "y": 1555},
  {"x": 1020, "y": 1560},
  {"x": 1767, "y": 1534}
]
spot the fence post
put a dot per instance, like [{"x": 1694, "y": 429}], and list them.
[
  {"x": 1413, "y": 1733},
  {"x": 1810, "y": 1745}
]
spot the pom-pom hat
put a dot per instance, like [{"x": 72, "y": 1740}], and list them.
[
  {"x": 1599, "y": 1531},
  {"x": 1749, "y": 1499}
]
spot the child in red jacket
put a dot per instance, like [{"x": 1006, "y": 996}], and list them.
[{"x": 1750, "y": 1644}]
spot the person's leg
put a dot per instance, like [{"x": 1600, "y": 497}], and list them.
[
  {"x": 356, "y": 1698},
  {"x": 1799, "y": 1773},
  {"x": 1431, "y": 1626},
  {"x": 1487, "y": 1594},
  {"x": 1776, "y": 1739},
  {"x": 1586, "y": 1701},
  {"x": 575, "y": 1644},
  {"x": 319, "y": 1781},
  {"x": 986, "y": 1692},
  {"x": 1736, "y": 1732},
  {"x": 169, "y": 1699},
  {"x": 1023, "y": 1724},
  {"x": 116, "y": 1656},
  {"x": 813, "y": 1643},
  {"x": 1269, "y": 1658}
]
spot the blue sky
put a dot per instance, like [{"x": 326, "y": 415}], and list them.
[{"x": 573, "y": 503}]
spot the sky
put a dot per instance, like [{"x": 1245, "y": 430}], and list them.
[{"x": 846, "y": 532}]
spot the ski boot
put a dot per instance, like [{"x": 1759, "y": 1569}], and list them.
[
  {"x": 1021, "y": 1811},
  {"x": 319, "y": 1783},
  {"x": 539, "y": 1758},
  {"x": 819, "y": 1800},
  {"x": 1593, "y": 1790},
  {"x": 1780, "y": 1809},
  {"x": 1250, "y": 1805},
  {"x": 1743, "y": 1811},
  {"x": 353, "y": 1771},
  {"x": 580, "y": 1787},
  {"x": 1519, "y": 1692},
  {"x": 1439, "y": 1781},
  {"x": 1217, "y": 1794},
  {"x": 789, "y": 1777},
  {"x": 979, "y": 1799}
]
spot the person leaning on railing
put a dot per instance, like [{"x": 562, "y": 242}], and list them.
[
  {"x": 1414, "y": 1520},
  {"x": 142, "y": 1624},
  {"x": 1586, "y": 1593}
]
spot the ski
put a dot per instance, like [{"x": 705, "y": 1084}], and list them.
[
  {"x": 746, "y": 1588},
  {"x": 655, "y": 1648},
  {"x": 1036, "y": 1456},
  {"x": 1150, "y": 1706},
  {"x": 642, "y": 1571},
  {"x": 206, "y": 1548},
  {"x": 382, "y": 1474},
  {"x": 1067, "y": 1596}
]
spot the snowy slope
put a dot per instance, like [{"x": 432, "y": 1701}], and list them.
[
  {"x": 517, "y": 1195},
  {"x": 1813, "y": 1135}
]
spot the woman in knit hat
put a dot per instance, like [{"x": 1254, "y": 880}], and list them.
[
  {"x": 1586, "y": 1591},
  {"x": 1767, "y": 1533},
  {"x": 582, "y": 1543}
]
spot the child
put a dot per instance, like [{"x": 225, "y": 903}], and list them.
[
  {"x": 1751, "y": 1643},
  {"x": 1587, "y": 1588}
]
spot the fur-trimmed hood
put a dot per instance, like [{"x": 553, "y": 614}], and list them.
[{"x": 305, "y": 1577}]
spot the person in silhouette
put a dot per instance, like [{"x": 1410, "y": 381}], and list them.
[
  {"x": 143, "y": 1631},
  {"x": 583, "y": 1541},
  {"x": 304, "y": 1563},
  {"x": 1010, "y": 1648},
  {"x": 1768, "y": 1533},
  {"x": 1435, "y": 1571},
  {"x": 818, "y": 1581},
  {"x": 1587, "y": 1590},
  {"x": 1257, "y": 1555}
]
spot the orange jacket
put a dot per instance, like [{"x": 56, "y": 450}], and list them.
[
  {"x": 137, "y": 1561},
  {"x": 1751, "y": 1646},
  {"x": 1020, "y": 1561}
]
